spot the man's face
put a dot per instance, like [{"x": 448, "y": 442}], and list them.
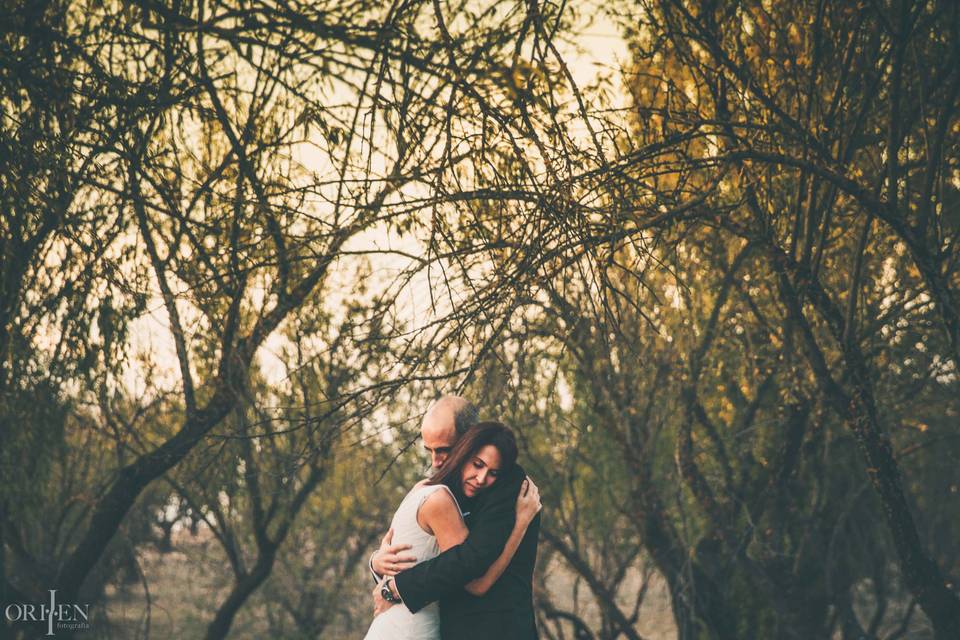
[{"x": 439, "y": 435}]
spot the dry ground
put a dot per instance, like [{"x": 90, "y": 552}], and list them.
[{"x": 182, "y": 589}]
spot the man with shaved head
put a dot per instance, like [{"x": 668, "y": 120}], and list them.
[
  {"x": 506, "y": 610},
  {"x": 444, "y": 422}
]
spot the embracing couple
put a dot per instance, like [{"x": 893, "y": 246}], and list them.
[{"x": 457, "y": 562}]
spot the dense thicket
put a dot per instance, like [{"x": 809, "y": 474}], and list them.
[
  {"x": 202, "y": 247},
  {"x": 749, "y": 291}
]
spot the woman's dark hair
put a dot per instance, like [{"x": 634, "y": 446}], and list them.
[{"x": 477, "y": 437}]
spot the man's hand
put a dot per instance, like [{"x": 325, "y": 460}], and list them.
[
  {"x": 379, "y": 604},
  {"x": 388, "y": 559}
]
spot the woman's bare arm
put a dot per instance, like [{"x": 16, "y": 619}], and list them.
[
  {"x": 528, "y": 505},
  {"x": 481, "y": 585},
  {"x": 440, "y": 516}
]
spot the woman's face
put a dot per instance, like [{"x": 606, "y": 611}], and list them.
[{"x": 480, "y": 471}]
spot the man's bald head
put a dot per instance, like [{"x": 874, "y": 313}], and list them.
[{"x": 446, "y": 420}]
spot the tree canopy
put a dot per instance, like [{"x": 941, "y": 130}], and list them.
[{"x": 715, "y": 292}]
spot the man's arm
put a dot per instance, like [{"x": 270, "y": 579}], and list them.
[
  {"x": 455, "y": 567},
  {"x": 389, "y": 559}
]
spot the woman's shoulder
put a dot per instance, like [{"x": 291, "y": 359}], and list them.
[
  {"x": 437, "y": 507},
  {"x": 420, "y": 490},
  {"x": 438, "y": 498}
]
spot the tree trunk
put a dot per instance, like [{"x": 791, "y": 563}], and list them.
[
  {"x": 111, "y": 509},
  {"x": 605, "y": 598},
  {"x": 242, "y": 589},
  {"x": 858, "y": 410}
]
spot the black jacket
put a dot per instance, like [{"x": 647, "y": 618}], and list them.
[{"x": 506, "y": 611}]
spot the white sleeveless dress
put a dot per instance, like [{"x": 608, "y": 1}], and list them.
[{"x": 397, "y": 623}]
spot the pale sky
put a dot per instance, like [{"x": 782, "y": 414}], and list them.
[{"x": 600, "y": 49}]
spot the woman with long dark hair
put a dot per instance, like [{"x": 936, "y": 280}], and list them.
[{"x": 429, "y": 519}]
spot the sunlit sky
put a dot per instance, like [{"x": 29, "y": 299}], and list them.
[{"x": 597, "y": 49}]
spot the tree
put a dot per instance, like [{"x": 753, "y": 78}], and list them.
[
  {"x": 219, "y": 170},
  {"x": 807, "y": 149},
  {"x": 846, "y": 117}
]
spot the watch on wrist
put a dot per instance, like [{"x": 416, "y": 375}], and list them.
[{"x": 387, "y": 592}]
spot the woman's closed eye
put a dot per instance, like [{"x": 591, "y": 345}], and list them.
[{"x": 479, "y": 464}]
